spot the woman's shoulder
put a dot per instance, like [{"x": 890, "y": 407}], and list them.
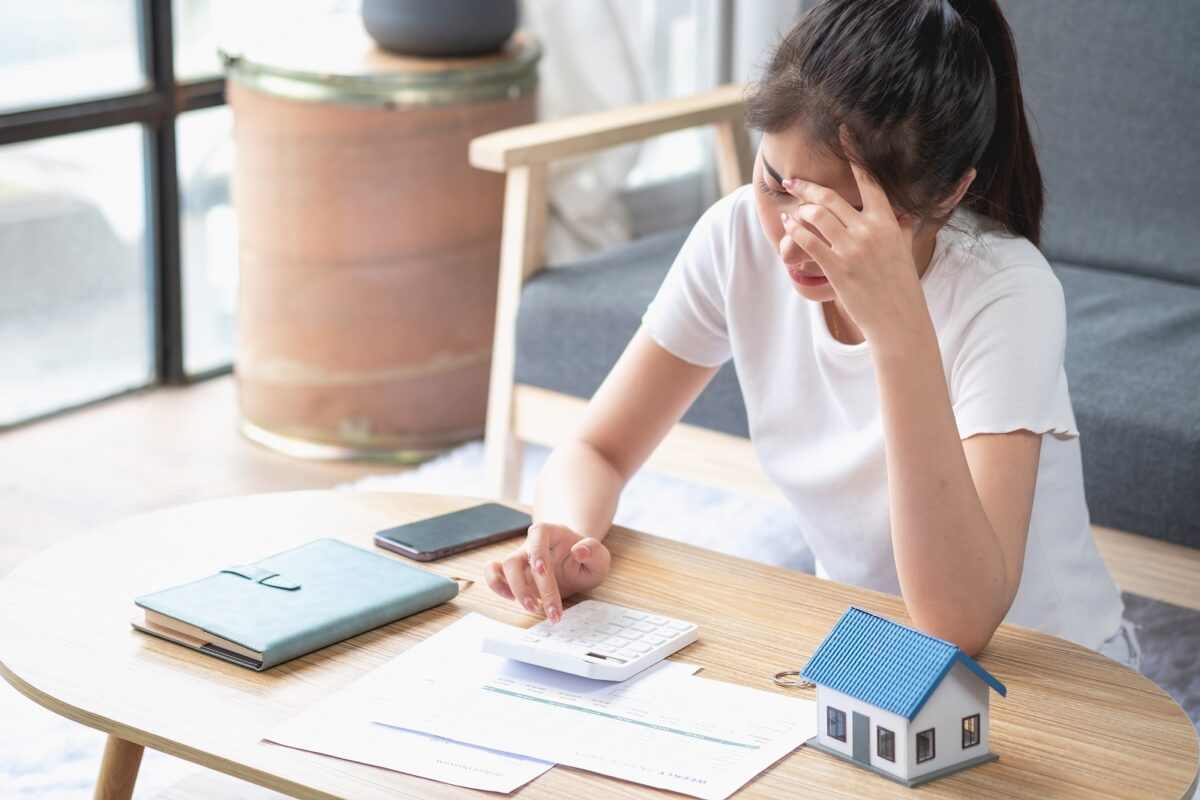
[
  {"x": 730, "y": 214},
  {"x": 728, "y": 231},
  {"x": 980, "y": 262}
]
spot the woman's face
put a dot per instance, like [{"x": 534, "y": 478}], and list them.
[{"x": 789, "y": 155}]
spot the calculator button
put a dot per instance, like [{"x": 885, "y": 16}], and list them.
[
  {"x": 618, "y": 641},
  {"x": 609, "y": 630},
  {"x": 605, "y": 648},
  {"x": 679, "y": 626},
  {"x": 622, "y": 622},
  {"x": 631, "y": 634},
  {"x": 629, "y": 654},
  {"x": 645, "y": 627},
  {"x": 593, "y": 637},
  {"x": 653, "y": 640},
  {"x": 634, "y": 615},
  {"x": 641, "y": 648},
  {"x": 670, "y": 634},
  {"x": 657, "y": 620}
]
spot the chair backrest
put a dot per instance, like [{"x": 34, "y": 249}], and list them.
[{"x": 1113, "y": 92}]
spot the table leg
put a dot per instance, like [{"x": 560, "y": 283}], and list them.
[{"x": 118, "y": 770}]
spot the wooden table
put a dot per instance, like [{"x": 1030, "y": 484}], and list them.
[{"x": 1074, "y": 724}]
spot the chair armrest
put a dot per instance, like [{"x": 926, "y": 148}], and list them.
[{"x": 541, "y": 142}]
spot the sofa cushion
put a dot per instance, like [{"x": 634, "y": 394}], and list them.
[
  {"x": 575, "y": 320},
  {"x": 1133, "y": 364},
  {"x": 1114, "y": 107}
]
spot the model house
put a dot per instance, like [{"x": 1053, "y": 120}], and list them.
[{"x": 899, "y": 702}]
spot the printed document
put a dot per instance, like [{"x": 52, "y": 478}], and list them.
[
  {"x": 341, "y": 725},
  {"x": 669, "y": 730}
]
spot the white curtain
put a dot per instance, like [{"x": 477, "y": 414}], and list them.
[{"x": 601, "y": 54}]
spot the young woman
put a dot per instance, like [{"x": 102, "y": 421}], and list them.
[{"x": 897, "y": 334}]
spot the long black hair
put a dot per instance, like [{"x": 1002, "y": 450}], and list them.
[{"x": 927, "y": 88}]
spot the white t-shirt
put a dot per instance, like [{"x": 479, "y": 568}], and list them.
[{"x": 813, "y": 405}]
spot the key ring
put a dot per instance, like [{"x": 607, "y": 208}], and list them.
[{"x": 790, "y": 679}]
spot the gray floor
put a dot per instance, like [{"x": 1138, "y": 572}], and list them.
[{"x": 1170, "y": 640}]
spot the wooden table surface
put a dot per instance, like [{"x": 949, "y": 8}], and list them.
[{"x": 1074, "y": 724}]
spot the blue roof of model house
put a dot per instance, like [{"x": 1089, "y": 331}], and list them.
[{"x": 886, "y": 664}]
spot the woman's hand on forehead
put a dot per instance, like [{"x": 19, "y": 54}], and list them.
[{"x": 866, "y": 255}]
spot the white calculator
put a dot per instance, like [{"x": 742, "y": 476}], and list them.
[{"x": 597, "y": 640}]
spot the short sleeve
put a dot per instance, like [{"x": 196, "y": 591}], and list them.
[
  {"x": 1008, "y": 372},
  {"x": 688, "y": 316}
]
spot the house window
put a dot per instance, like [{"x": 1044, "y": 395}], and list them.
[
  {"x": 835, "y": 723},
  {"x": 885, "y": 744},
  {"x": 970, "y": 730},
  {"x": 925, "y": 745}
]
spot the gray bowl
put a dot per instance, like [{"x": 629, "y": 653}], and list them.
[{"x": 440, "y": 27}]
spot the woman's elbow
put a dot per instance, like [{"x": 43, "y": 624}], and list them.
[{"x": 970, "y": 636}]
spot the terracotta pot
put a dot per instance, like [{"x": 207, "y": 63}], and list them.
[{"x": 368, "y": 245}]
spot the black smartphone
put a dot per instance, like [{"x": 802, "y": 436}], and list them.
[{"x": 446, "y": 534}]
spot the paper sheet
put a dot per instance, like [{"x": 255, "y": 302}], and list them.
[
  {"x": 341, "y": 725},
  {"x": 670, "y": 730}
]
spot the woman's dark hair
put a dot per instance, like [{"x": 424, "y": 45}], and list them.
[{"x": 927, "y": 88}]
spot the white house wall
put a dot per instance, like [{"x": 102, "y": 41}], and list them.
[
  {"x": 895, "y": 723},
  {"x": 960, "y": 694}
]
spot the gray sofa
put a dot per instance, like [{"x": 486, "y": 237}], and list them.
[{"x": 1112, "y": 91}]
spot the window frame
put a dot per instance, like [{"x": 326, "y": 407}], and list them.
[
  {"x": 880, "y": 731},
  {"x": 976, "y": 731},
  {"x": 932, "y": 745},
  {"x": 157, "y": 108},
  {"x": 830, "y": 711}
]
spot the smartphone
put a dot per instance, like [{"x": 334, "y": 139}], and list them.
[{"x": 446, "y": 534}]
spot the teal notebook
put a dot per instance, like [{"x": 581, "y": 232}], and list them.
[{"x": 262, "y": 614}]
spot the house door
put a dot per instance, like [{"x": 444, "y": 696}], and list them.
[{"x": 862, "y": 738}]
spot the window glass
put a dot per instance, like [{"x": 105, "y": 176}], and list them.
[
  {"x": 63, "y": 51},
  {"x": 75, "y": 311},
  {"x": 970, "y": 731},
  {"x": 835, "y": 723},
  {"x": 207, "y": 237},
  {"x": 886, "y": 744},
  {"x": 925, "y": 748}
]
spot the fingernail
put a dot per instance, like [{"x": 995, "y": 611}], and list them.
[
  {"x": 529, "y": 603},
  {"x": 540, "y": 566},
  {"x": 553, "y": 615},
  {"x": 783, "y": 216},
  {"x": 506, "y": 594},
  {"x": 584, "y": 552},
  {"x": 787, "y": 182}
]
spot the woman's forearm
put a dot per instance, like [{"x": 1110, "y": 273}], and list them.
[
  {"x": 948, "y": 558},
  {"x": 578, "y": 488}
]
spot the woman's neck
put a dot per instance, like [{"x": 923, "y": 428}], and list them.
[{"x": 923, "y": 247}]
